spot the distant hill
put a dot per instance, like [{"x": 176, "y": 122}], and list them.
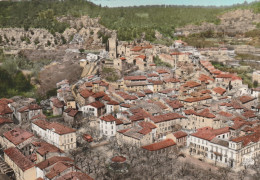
[{"x": 130, "y": 22}]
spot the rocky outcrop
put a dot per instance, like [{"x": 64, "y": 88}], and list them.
[
  {"x": 18, "y": 38},
  {"x": 83, "y": 31},
  {"x": 231, "y": 23}
]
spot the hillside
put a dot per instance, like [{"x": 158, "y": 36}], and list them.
[{"x": 130, "y": 22}]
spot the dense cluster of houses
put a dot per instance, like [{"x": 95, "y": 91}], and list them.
[
  {"x": 39, "y": 151},
  {"x": 192, "y": 106},
  {"x": 159, "y": 108}
]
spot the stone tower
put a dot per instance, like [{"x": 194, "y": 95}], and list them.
[{"x": 112, "y": 46}]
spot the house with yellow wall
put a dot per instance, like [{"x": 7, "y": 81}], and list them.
[{"x": 23, "y": 168}]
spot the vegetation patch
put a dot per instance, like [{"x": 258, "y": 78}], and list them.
[
  {"x": 158, "y": 62},
  {"x": 110, "y": 74},
  {"x": 244, "y": 73},
  {"x": 247, "y": 57}
]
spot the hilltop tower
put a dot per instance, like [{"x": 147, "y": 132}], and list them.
[{"x": 112, "y": 46}]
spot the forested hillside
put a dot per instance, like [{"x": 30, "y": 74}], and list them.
[{"x": 130, "y": 22}]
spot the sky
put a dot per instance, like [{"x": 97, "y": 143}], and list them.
[{"x": 118, "y": 3}]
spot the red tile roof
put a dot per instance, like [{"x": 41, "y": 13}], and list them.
[
  {"x": 123, "y": 130},
  {"x": 73, "y": 112},
  {"x": 180, "y": 134},
  {"x": 97, "y": 104},
  {"x": 208, "y": 133},
  {"x": 126, "y": 96},
  {"x": 234, "y": 78},
  {"x": 206, "y": 113},
  {"x": 106, "y": 98},
  {"x": 57, "y": 103},
  {"x": 58, "y": 168},
  {"x": 160, "y": 145},
  {"x": 137, "y": 48},
  {"x": 54, "y": 126},
  {"x": 246, "y": 99},
  {"x": 196, "y": 99},
  {"x": 249, "y": 114},
  {"x": 226, "y": 114},
  {"x": 108, "y": 118},
  {"x": 157, "y": 82},
  {"x": 166, "y": 117},
  {"x": 171, "y": 80},
  {"x": 189, "y": 112},
  {"x": 5, "y": 120},
  {"x": 34, "y": 107},
  {"x": 148, "y": 91},
  {"x": 205, "y": 78},
  {"x": 99, "y": 94},
  {"x": 139, "y": 94},
  {"x": 5, "y": 101},
  {"x": 18, "y": 158},
  {"x": 139, "y": 114},
  {"x": 135, "y": 78},
  {"x": 113, "y": 103},
  {"x": 162, "y": 71},
  {"x": 4, "y": 109},
  {"x": 86, "y": 93},
  {"x": 152, "y": 75},
  {"x": 206, "y": 91},
  {"x": 191, "y": 84},
  {"x": 44, "y": 148},
  {"x": 175, "y": 104},
  {"x": 238, "y": 119},
  {"x": 142, "y": 57},
  {"x": 118, "y": 159},
  {"x": 49, "y": 162},
  {"x": 255, "y": 137},
  {"x": 17, "y": 136},
  {"x": 219, "y": 90}
]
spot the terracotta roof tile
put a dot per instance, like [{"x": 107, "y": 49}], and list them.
[
  {"x": 160, "y": 145},
  {"x": 226, "y": 114},
  {"x": 166, "y": 117},
  {"x": 18, "y": 158},
  {"x": 86, "y": 93},
  {"x": 206, "y": 113},
  {"x": 180, "y": 134},
  {"x": 135, "y": 78},
  {"x": 54, "y": 126},
  {"x": 191, "y": 84},
  {"x": 246, "y": 99},
  {"x": 49, "y": 162},
  {"x": 5, "y": 120},
  {"x": 4, "y": 109},
  {"x": 118, "y": 159},
  {"x": 113, "y": 103},
  {"x": 208, "y": 133},
  {"x": 219, "y": 90},
  {"x": 57, "y": 103},
  {"x": 58, "y": 168},
  {"x": 97, "y": 104},
  {"x": 44, "y": 148},
  {"x": 17, "y": 136}
]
